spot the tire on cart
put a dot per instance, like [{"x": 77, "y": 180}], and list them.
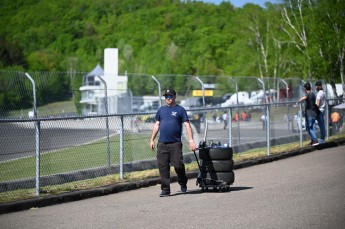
[
  {"x": 216, "y": 153},
  {"x": 219, "y": 166}
]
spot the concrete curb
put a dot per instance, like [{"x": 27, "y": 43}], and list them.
[{"x": 38, "y": 202}]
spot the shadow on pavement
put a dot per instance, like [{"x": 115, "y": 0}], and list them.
[{"x": 200, "y": 191}]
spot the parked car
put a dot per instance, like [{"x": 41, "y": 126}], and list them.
[
  {"x": 149, "y": 106},
  {"x": 243, "y": 99}
]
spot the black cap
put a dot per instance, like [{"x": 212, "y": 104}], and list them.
[
  {"x": 318, "y": 83},
  {"x": 307, "y": 86},
  {"x": 169, "y": 92}
]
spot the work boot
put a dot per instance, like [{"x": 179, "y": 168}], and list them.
[
  {"x": 164, "y": 193},
  {"x": 184, "y": 188}
]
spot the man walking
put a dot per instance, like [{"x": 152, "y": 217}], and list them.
[
  {"x": 311, "y": 111},
  {"x": 321, "y": 104},
  {"x": 169, "y": 120}
]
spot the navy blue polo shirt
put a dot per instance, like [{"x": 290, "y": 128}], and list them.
[{"x": 171, "y": 120}]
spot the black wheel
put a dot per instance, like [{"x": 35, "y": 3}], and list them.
[
  {"x": 228, "y": 177},
  {"x": 218, "y": 165},
  {"x": 224, "y": 187},
  {"x": 216, "y": 153}
]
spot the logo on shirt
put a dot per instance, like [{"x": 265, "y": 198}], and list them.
[{"x": 173, "y": 113}]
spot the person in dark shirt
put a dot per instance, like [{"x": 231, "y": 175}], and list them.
[
  {"x": 169, "y": 120},
  {"x": 311, "y": 112}
]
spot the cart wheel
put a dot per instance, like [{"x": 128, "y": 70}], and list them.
[
  {"x": 228, "y": 177},
  {"x": 223, "y": 187}
]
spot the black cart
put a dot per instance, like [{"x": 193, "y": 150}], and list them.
[{"x": 216, "y": 167}]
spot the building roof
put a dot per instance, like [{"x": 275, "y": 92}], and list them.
[{"x": 97, "y": 71}]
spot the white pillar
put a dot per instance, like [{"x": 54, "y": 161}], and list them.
[{"x": 111, "y": 70}]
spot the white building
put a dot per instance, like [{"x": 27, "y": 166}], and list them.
[{"x": 94, "y": 90}]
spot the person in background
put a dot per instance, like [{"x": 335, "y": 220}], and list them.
[
  {"x": 335, "y": 117},
  {"x": 321, "y": 104},
  {"x": 244, "y": 116},
  {"x": 298, "y": 120},
  {"x": 225, "y": 119},
  {"x": 169, "y": 120},
  {"x": 236, "y": 117},
  {"x": 263, "y": 120},
  {"x": 311, "y": 111},
  {"x": 249, "y": 116},
  {"x": 214, "y": 116}
]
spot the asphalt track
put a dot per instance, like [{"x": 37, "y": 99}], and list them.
[
  {"x": 73, "y": 134},
  {"x": 304, "y": 191}
]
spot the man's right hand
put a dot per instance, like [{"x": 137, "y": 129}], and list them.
[{"x": 152, "y": 145}]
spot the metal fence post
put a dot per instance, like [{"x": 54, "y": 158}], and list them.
[
  {"x": 268, "y": 133},
  {"x": 287, "y": 99},
  {"x": 203, "y": 90},
  {"x": 238, "y": 113},
  {"x": 267, "y": 118},
  {"x": 159, "y": 90},
  {"x": 230, "y": 127},
  {"x": 121, "y": 147},
  {"x": 203, "y": 96},
  {"x": 326, "y": 118},
  {"x": 37, "y": 136},
  {"x": 300, "y": 125}
]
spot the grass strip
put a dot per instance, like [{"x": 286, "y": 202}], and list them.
[
  {"x": 77, "y": 158},
  {"x": 141, "y": 175}
]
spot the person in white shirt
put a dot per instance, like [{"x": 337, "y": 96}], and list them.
[
  {"x": 225, "y": 120},
  {"x": 321, "y": 104}
]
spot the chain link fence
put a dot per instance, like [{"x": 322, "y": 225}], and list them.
[
  {"x": 60, "y": 145},
  {"x": 72, "y": 149}
]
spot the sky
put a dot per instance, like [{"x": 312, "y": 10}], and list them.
[{"x": 240, "y": 3}]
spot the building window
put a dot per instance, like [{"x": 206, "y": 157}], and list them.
[
  {"x": 87, "y": 95},
  {"x": 91, "y": 80},
  {"x": 90, "y": 94}
]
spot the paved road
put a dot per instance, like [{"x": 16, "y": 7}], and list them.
[
  {"x": 305, "y": 191},
  {"x": 19, "y": 141}
]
